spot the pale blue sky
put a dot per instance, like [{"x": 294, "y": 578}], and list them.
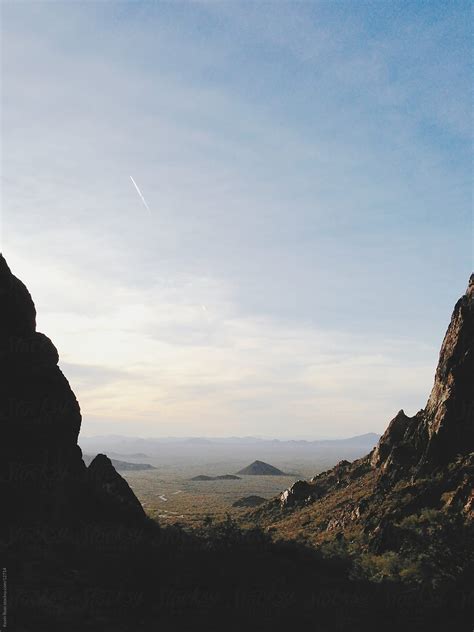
[{"x": 307, "y": 167}]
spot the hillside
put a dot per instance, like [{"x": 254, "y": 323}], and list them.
[
  {"x": 417, "y": 483},
  {"x": 249, "y": 501}
]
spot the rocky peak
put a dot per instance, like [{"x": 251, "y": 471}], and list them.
[
  {"x": 449, "y": 412},
  {"x": 437, "y": 435},
  {"x": 423, "y": 466},
  {"x": 17, "y": 313},
  {"x": 445, "y": 427},
  {"x": 40, "y": 461},
  {"x": 113, "y": 492},
  {"x": 42, "y": 475}
]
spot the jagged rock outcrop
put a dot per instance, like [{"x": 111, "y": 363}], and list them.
[
  {"x": 445, "y": 427},
  {"x": 338, "y": 477},
  {"x": 401, "y": 444},
  {"x": 40, "y": 461},
  {"x": 42, "y": 475},
  {"x": 421, "y": 463},
  {"x": 299, "y": 493},
  {"x": 114, "y": 499},
  {"x": 449, "y": 413}
]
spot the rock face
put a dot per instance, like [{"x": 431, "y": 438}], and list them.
[
  {"x": 445, "y": 428},
  {"x": 40, "y": 460},
  {"x": 449, "y": 413},
  {"x": 299, "y": 493},
  {"x": 42, "y": 474},
  {"x": 340, "y": 476},
  {"x": 114, "y": 500},
  {"x": 424, "y": 462}
]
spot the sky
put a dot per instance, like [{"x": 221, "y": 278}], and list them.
[{"x": 307, "y": 172}]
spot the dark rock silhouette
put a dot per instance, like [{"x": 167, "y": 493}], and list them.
[
  {"x": 43, "y": 476},
  {"x": 113, "y": 498},
  {"x": 121, "y": 466},
  {"x": 40, "y": 418}
]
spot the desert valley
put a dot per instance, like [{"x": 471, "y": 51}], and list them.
[{"x": 168, "y": 491}]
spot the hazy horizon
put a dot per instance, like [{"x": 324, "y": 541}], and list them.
[
  {"x": 307, "y": 225},
  {"x": 228, "y": 437}
]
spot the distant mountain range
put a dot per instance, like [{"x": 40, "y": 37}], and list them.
[
  {"x": 367, "y": 438},
  {"x": 232, "y": 452},
  {"x": 121, "y": 466}
]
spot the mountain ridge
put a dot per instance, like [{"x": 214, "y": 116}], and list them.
[
  {"x": 113, "y": 437},
  {"x": 420, "y": 464}
]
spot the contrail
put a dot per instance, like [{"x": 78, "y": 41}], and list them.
[{"x": 140, "y": 194}]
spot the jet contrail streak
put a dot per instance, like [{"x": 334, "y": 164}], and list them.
[{"x": 140, "y": 194}]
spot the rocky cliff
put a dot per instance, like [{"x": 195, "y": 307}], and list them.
[
  {"x": 445, "y": 427},
  {"x": 113, "y": 496},
  {"x": 42, "y": 474},
  {"x": 424, "y": 462}
]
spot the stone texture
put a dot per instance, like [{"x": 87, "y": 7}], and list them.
[
  {"x": 449, "y": 412},
  {"x": 299, "y": 493},
  {"x": 445, "y": 427}
]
